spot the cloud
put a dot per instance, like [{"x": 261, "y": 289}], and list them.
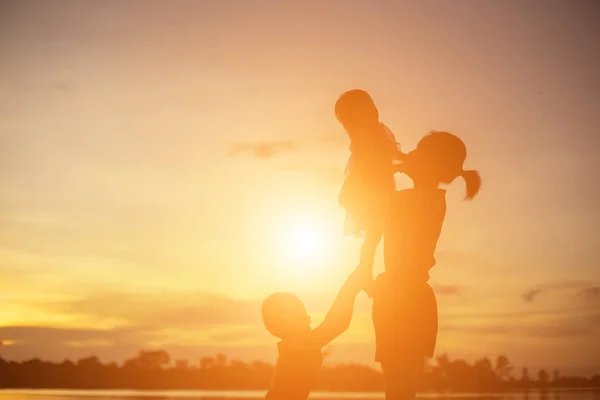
[
  {"x": 168, "y": 321},
  {"x": 53, "y": 343},
  {"x": 184, "y": 322},
  {"x": 263, "y": 149},
  {"x": 162, "y": 310},
  {"x": 591, "y": 292},
  {"x": 20, "y": 277},
  {"x": 57, "y": 344},
  {"x": 484, "y": 330},
  {"x": 574, "y": 323},
  {"x": 447, "y": 290},
  {"x": 561, "y": 331},
  {"x": 269, "y": 148},
  {"x": 257, "y": 333},
  {"x": 51, "y": 335},
  {"x": 532, "y": 294}
]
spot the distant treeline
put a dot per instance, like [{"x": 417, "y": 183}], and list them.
[{"x": 156, "y": 370}]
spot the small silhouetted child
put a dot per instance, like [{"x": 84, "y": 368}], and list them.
[
  {"x": 369, "y": 182},
  {"x": 300, "y": 349}
]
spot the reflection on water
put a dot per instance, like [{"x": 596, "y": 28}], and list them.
[{"x": 588, "y": 394}]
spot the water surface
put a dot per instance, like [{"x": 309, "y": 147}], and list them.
[{"x": 253, "y": 395}]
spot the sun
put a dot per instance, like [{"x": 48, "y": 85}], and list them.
[
  {"x": 306, "y": 242},
  {"x": 304, "y": 245}
]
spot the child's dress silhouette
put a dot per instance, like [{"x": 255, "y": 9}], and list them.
[{"x": 369, "y": 180}]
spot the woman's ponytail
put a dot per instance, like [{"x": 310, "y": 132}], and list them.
[{"x": 472, "y": 182}]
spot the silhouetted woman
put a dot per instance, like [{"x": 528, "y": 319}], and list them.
[{"x": 404, "y": 305}]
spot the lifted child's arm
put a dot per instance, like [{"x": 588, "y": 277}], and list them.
[
  {"x": 340, "y": 314},
  {"x": 400, "y": 156}
]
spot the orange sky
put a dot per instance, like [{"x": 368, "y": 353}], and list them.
[{"x": 159, "y": 157}]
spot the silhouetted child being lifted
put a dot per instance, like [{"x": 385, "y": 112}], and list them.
[
  {"x": 369, "y": 182},
  {"x": 300, "y": 357}
]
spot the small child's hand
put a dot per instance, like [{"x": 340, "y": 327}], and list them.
[
  {"x": 369, "y": 286},
  {"x": 356, "y": 280}
]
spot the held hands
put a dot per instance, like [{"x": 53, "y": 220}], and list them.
[
  {"x": 367, "y": 281},
  {"x": 400, "y": 156},
  {"x": 400, "y": 163},
  {"x": 361, "y": 278}
]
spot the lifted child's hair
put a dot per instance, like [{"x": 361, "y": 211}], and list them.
[{"x": 356, "y": 104}]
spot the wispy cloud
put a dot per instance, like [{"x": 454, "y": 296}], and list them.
[
  {"x": 134, "y": 321},
  {"x": 25, "y": 342},
  {"x": 186, "y": 311},
  {"x": 578, "y": 286},
  {"x": 592, "y": 292},
  {"x": 447, "y": 290},
  {"x": 39, "y": 334},
  {"x": 267, "y": 149},
  {"x": 568, "y": 323},
  {"x": 193, "y": 323},
  {"x": 262, "y": 149},
  {"x": 530, "y": 295},
  {"x": 486, "y": 330}
]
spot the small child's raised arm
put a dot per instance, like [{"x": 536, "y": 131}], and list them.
[{"x": 340, "y": 314}]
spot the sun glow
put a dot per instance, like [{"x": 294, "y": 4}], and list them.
[
  {"x": 305, "y": 245},
  {"x": 306, "y": 242}
]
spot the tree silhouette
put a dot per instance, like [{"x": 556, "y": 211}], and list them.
[
  {"x": 207, "y": 362},
  {"x": 543, "y": 377},
  {"x": 221, "y": 360},
  {"x": 503, "y": 367},
  {"x": 525, "y": 379},
  {"x": 556, "y": 376},
  {"x": 485, "y": 375},
  {"x": 182, "y": 364},
  {"x": 154, "y": 369}
]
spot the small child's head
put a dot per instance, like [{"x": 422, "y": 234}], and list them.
[
  {"x": 284, "y": 315},
  {"x": 440, "y": 156},
  {"x": 355, "y": 109}
]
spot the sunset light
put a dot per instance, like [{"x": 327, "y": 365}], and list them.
[
  {"x": 307, "y": 242},
  {"x": 168, "y": 166}
]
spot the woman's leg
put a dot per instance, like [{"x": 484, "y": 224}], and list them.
[
  {"x": 401, "y": 378},
  {"x": 367, "y": 256},
  {"x": 373, "y": 228}
]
